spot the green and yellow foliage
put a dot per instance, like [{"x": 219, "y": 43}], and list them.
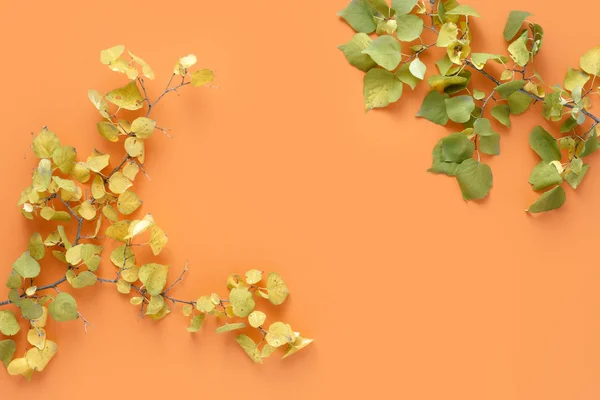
[
  {"x": 98, "y": 200},
  {"x": 388, "y": 45}
]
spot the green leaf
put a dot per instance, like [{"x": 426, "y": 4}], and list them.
[
  {"x": 591, "y": 144},
  {"x": 434, "y": 108},
  {"x": 385, "y": 51},
  {"x": 407, "y": 77},
  {"x": 551, "y": 200},
  {"x": 544, "y": 175},
  {"x": 490, "y": 144},
  {"x": 29, "y": 309},
  {"x": 544, "y": 144},
  {"x": 36, "y": 246},
  {"x": 519, "y": 102},
  {"x": 479, "y": 59},
  {"x": 569, "y": 124},
  {"x": 26, "y": 266},
  {"x": 359, "y": 16},
  {"x": 353, "y": 50},
  {"x": 7, "y": 351},
  {"x": 514, "y": 23},
  {"x": 538, "y": 36},
  {"x": 249, "y": 347},
  {"x": 417, "y": 68},
  {"x": 381, "y": 88},
  {"x": 438, "y": 165},
  {"x": 489, "y": 141},
  {"x": 475, "y": 179},
  {"x": 478, "y": 94},
  {"x": 459, "y": 108},
  {"x": 574, "y": 179},
  {"x": 456, "y": 148},
  {"x": 9, "y": 325},
  {"x": 403, "y": 7},
  {"x": 444, "y": 64},
  {"x": 63, "y": 308},
  {"x": 590, "y": 61},
  {"x": 508, "y": 88},
  {"x": 575, "y": 78},
  {"x": 14, "y": 280},
  {"x": 409, "y": 28},
  {"x": 465, "y": 10}
]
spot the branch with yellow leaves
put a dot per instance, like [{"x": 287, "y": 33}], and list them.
[{"x": 89, "y": 192}]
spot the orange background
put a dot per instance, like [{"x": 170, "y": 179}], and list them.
[{"x": 410, "y": 292}]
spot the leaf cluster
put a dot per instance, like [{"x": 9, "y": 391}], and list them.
[
  {"x": 84, "y": 202},
  {"x": 389, "y": 42}
]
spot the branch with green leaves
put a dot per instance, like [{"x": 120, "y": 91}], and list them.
[
  {"x": 388, "y": 46},
  {"x": 80, "y": 199}
]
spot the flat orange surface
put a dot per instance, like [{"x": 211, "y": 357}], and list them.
[{"x": 410, "y": 292}]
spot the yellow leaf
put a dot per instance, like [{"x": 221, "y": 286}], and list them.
[
  {"x": 202, "y": 77},
  {"x": 146, "y": 70},
  {"x": 143, "y": 127},
  {"x": 127, "y": 97},
  {"x": 154, "y": 277},
  {"x": 128, "y": 202},
  {"x": 204, "y": 304},
  {"x": 108, "y": 131},
  {"x": 39, "y": 359},
  {"x": 123, "y": 257},
  {"x": 37, "y": 337},
  {"x": 80, "y": 172},
  {"x": 136, "y": 301},
  {"x": 257, "y": 318},
  {"x": 187, "y": 310},
  {"x": 278, "y": 290},
  {"x": 97, "y": 162},
  {"x": 45, "y": 143},
  {"x": 123, "y": 286},
  {"x": 138, "y": 227},
  {"x": 30, "y": 291},
  {"x": 110, "y": 213},
  {"x": 50, "y": 214},
  {"x": 87, "y": 210},
  {"x": 158, "y": 239},
  {"x": 64, "y": 158},
  {"x": 109, "y": 55},
  {"x": 196, "y": 323},
  {"x": 249, "y": 347},
  {"x": 155, "y": 304},
  {"x": 253, "y": 276},
  {"x": 119, "y": 183},
  {"x": 118, "y": 230},
  {"x": 279, "y": 334},
  {"x": 134, "y": 146},
  {"x": 183, "y": 64},
  {"x": 297, "y": 345},
  {"x": 73, "y": 255},
  {"x": 20, "y": 366},
  {"x": 98, "y": 188},
  {"x": 99, "y": 102},
  {"x": 131, "y": 170}
]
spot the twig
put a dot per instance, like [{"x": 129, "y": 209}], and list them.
[{"x": 185, "y": 269}]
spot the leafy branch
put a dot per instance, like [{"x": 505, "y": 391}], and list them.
[
  {"x": 65, "y": 190},
  {"x": 376, "y": 48}
]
